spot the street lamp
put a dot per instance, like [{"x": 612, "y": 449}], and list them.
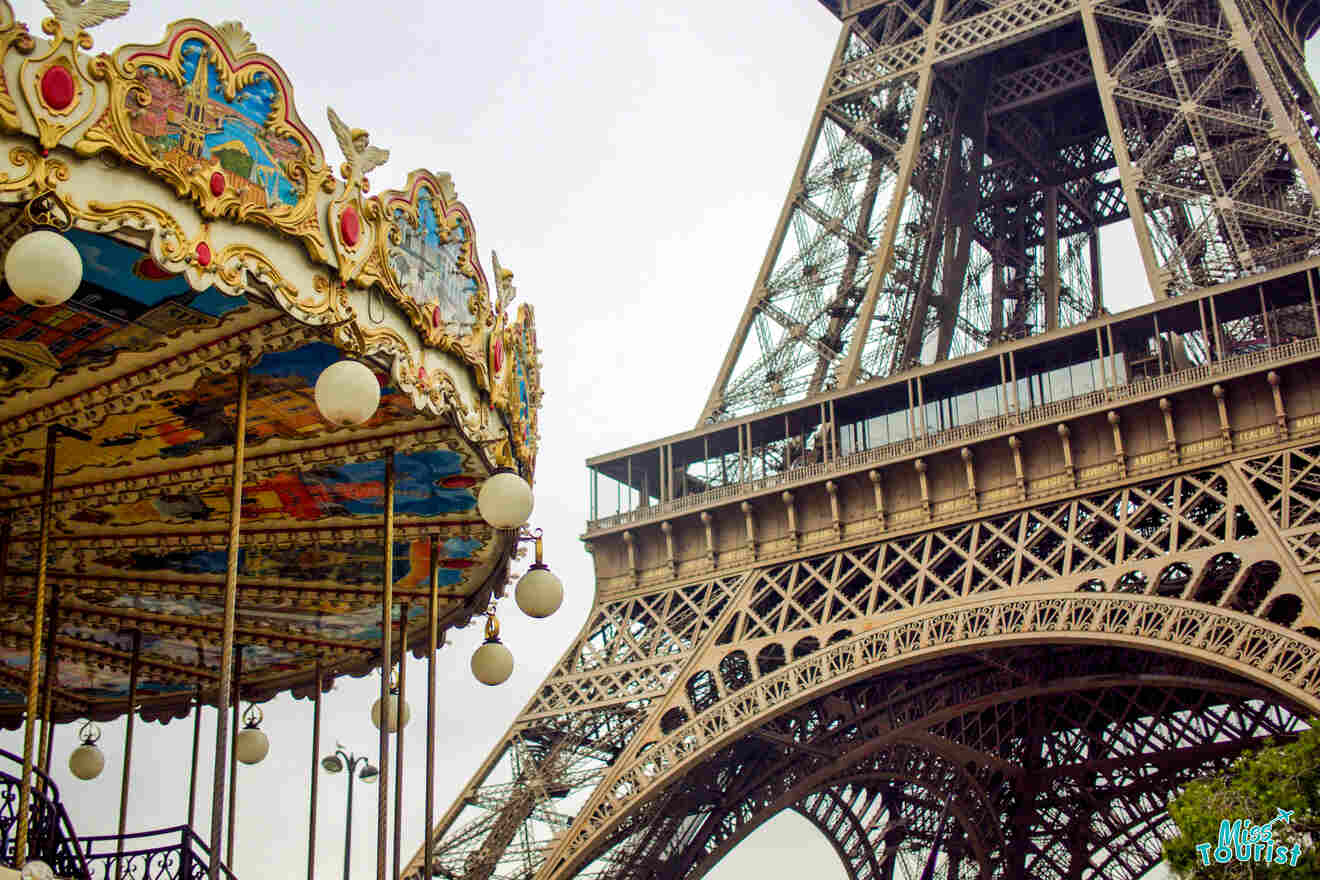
[{"x": 337, "y": 763}]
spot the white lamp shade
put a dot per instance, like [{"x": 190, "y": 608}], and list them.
[
  {"x": 86, "y": 761},
  {"x": 36, "y": 869},
  {"x": 252, "y": 746},
  {"x": 43, "y": 268},
  {"x": 539, "y": 592},
  {"x": 347, "y": 393},
  {"x": 505, "y": 500},
  {"x": 492, "y": 663},
  {"x": 386, "y": 712}
]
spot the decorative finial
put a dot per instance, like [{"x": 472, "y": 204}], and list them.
[
  {"x": 74, "y": 19},
  {"x": 237, "y": 39},
  {"x": 361, "y": 156}
]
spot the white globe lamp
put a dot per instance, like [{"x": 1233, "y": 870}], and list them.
[
  {"x": 539, "y": 592},
  {"x": 252, "y": 744},
  {"x": 392, "y": 712},
  {"x": 36, "y": 869},
  {"x": 492, "y": 663},
  {"x": 505, "y": 499},
  {"x": 43, "y": 268},
  {"x": 347, "y": 393},
  {"x": 87, "y": 761}
]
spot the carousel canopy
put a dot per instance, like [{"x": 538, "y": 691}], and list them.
[{"x": 215, "y": 236}]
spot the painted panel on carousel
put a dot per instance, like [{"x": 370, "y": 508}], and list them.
[
  {"x": 428, "y": 485},
  {"x": 126, "y": 304},
  {"x": 434, "y": 272},
  {"x": 356, "y": 562},
  {"x": 206, "y": 112},
  {"x": 180, "y": 423}
]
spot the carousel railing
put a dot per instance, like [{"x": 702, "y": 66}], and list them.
[
  {"x": 51, "y": 837},
  {"x": 166, "y": 854}
]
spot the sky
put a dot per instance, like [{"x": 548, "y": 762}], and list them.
[{"x": 628, "y": 162}]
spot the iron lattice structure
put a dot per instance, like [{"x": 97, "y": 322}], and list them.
[
  {"x": 964, "y": 155},
  {"x": 1007, "y": 674}
]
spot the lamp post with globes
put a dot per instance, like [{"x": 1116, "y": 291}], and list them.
[{"x": 339, "y": 761}]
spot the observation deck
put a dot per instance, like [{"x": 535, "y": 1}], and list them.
[{"x": 1138, "y": 390}]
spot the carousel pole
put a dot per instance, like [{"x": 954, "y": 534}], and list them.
[
  {"x": 398, "y": 733},
  {"x": 47, "y": 687},
  {"x": 227, "y": 629},
  {"x": 432, "y": 610},
  {"x": 386, "y": 629},
  {"x": 316, "y": 751},
  {"x": 133, "y": 670},
  {"x": 53, "y": 433},
  {"x": 192, "y": 773},
  {"x": 233, "y": 757}
]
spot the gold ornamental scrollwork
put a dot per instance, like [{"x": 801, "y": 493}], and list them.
[{"x": 215, "y": 119}]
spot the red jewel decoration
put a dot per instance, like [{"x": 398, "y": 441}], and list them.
[
  {"x": 496, "y": 355},
  {"x": 217, "y": 184},
  {"x": 203, "y": 254},
  {"x": 435, "y": 316},
  {"x": 57, "y": 87},
  {"x": 350, "y": 227}
]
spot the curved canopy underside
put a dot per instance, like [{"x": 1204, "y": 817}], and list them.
[{"x": 149, "y": 368}]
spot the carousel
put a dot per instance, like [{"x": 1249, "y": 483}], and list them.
[{"x": 260, "y": 427}]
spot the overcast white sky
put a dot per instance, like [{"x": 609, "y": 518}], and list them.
[{"x": 628, "y": 162}]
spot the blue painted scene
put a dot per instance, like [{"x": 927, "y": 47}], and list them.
[{"x": 196, "y": 121}]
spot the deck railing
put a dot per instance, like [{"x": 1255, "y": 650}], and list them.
[
  {"x": 50, "y": 833},
  {"x": 1042, "y": 413},
  {"x": 166, "y": 854}
]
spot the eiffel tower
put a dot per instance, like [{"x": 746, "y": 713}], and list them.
[{"x": 967, "y": 571}]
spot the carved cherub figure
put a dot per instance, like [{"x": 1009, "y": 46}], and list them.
[{"x": 361, "y": 156}]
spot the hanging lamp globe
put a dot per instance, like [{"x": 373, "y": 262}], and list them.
[
  {"x": 347, "y": 393},
  {"x": 36, "y": 869},
  {"x": 539, "y": 592},
  {"x": 87, "y": 761},
  {"x": 391, "y": 711},
  {"x": 43, "y": 268},
  {"x": 251, "y": 745},
  {"x": 505, "y": 499},
  {"x": 492, "y": 663}
]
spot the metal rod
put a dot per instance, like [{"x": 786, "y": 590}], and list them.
[
  {"x": 398, "y": 736},
  {"x": 34, "y": 654},
  {"x": 233, "y": 758},
  {"x": 432, "y": 624},
  {"x": 1159, "y": 343},
  {"x": 133, "y": 670},
  {"x": 1310, "y": 290},
  {"x": 386, "y": 629},
  {"x": 227, "y": 628},
  {"x": 348, "y": 819},
  {"x": 1214, "y": 322},
  {"x": 316, "y": 776},
  {"x": 48, "y": 682},
  {"x": 196, "y": 748}
]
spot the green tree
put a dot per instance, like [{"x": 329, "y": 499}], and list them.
[{"x": 1278, "y": 777}]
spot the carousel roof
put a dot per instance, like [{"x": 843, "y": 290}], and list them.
[{"x": 215, "y": 236}]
